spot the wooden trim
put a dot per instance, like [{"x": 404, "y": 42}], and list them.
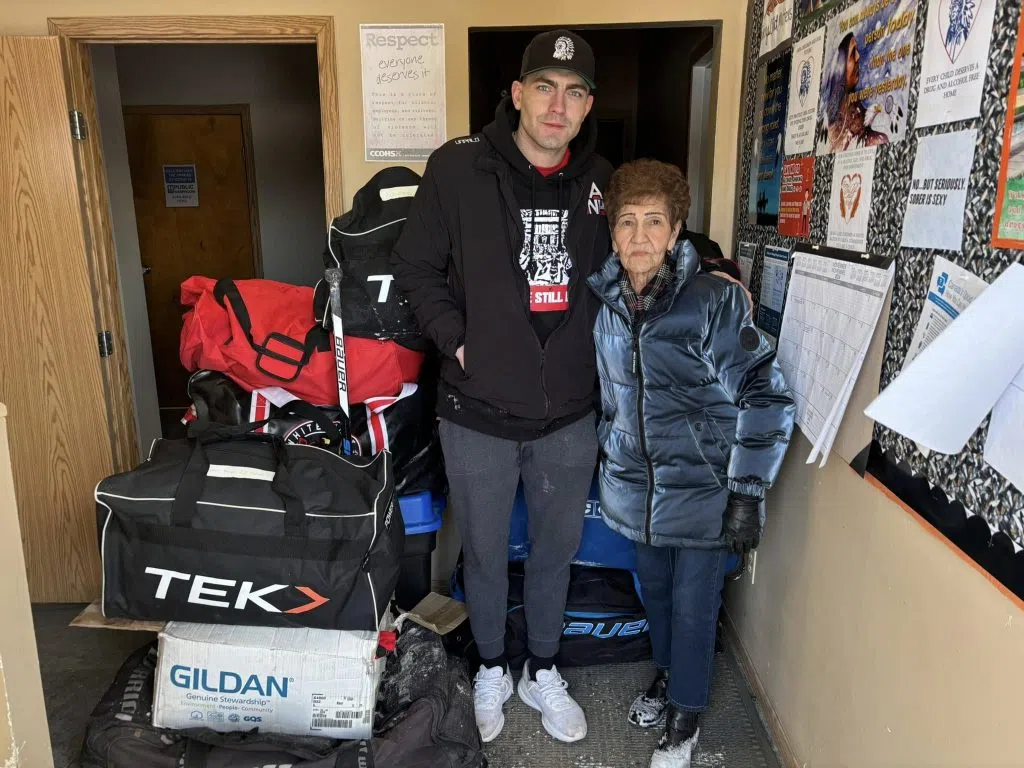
[
  {"x": 243, "y": 113},
  {"x": 330, "y": 121},
  {"x": 196, "y": 29},
  {"x": 778, "y": 732},
  {"x": 880, "y": 486},
  {"x": 102, "y": 259},
  {"x": 76, "y": 33}
]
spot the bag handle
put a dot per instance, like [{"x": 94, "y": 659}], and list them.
[
  {"x": 226, "y": 289},
  {"x": 190, "y": 487}
]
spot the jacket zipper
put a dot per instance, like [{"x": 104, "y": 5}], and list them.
[{"x": 638, "y": 371}]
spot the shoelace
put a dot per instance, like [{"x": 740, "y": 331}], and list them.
[
  {"x": 553, "y": 691},
  {"x": 487, "y": 692}
]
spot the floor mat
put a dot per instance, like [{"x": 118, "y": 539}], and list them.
[{"x": 730, "y": 734}]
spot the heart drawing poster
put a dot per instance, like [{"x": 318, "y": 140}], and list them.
[
  {"x": 850, "y": 202},
  {"x": 956, "y": 43}
]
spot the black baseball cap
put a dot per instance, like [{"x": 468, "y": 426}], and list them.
[{"x": 560, "y": 49}]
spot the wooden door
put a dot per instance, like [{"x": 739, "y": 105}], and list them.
[
  {"x": 49, "y": 358},
  {"x": 205, "y": 224}
]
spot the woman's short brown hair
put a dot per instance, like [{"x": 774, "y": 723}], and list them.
[{"x": 643, "y": 180}]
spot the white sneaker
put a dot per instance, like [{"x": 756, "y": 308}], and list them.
[
  {"x": 676, "y": 756},
  {"x": 560, "y": 715},
  {"x": 492, "y": 687}
]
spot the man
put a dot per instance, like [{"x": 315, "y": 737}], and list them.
[
  {"x": 505, "y": 228},
  {"x": 493, "y": 258}
]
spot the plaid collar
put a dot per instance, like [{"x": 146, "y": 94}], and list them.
[{"x": 640, "y": 303}]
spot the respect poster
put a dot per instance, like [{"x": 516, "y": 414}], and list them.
[
  {"x": 869, "y": 51},
  {"x": 768, "y": 150}
]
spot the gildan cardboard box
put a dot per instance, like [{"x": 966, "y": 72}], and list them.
[{"x": 313, "y": 682}]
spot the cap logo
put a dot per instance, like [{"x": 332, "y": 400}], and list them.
[{"x": 564, "y": 49}]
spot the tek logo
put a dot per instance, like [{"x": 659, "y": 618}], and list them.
[
  {"x": 385, "y": 286},
  {"x": 205, "y": 589}
]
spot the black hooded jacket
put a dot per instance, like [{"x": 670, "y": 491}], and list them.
[{"x": 488, "y": 242}]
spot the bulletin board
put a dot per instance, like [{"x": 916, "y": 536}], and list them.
[{"x": 964, "y": 477}]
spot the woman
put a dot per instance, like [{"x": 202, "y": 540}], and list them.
[{"x": 696, "y": 420}]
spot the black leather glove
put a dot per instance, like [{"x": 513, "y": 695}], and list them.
[{"x": 742, "y": 527}]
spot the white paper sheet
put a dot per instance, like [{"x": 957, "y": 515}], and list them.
[
  {"x": 804, "y": 86},
  {"x": 956, "y": 43},
  {"x": 850, "y": 201},
  {"x": 745, "y": 259},
  {"x": 776, "y": 25},
  {"x": 831, "y": 313},
  {"x": 938, "y": 191},
  {"x": 403, "y": 91},
  {"x": 1004, "y": 447},
  {"x": 940, "y": 399}
]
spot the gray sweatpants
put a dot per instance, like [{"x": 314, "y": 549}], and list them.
[{"x": 483, "y": 474}]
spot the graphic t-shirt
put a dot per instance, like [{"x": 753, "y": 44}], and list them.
[{"x": 544, "y": 257}]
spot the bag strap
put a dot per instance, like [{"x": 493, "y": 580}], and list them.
[
  {"x": 193, "y": 479},
  {"x": 310, "y": 412},
  {"x": 227, "y": 290}
]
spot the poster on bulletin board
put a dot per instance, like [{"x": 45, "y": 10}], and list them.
[
  {"x": 869, "y": 52},
  {"x": 1008, "y": 228},
  {"x": 403, "y": 91},
  {"x": 766, "y": 165}
]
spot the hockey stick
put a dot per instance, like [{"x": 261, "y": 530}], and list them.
[{"x": 333, "y": 277}]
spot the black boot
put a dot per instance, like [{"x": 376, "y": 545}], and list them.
[
  {"x": 675, "y": 750},
  {"x": 648, "y": 709}
]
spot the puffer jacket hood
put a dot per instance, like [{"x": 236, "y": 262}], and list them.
[{"x": 694, "y": 405}]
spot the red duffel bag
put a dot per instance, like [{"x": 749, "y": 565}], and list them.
[{"x": 262, "y": 333}]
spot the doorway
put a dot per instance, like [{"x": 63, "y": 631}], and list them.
[
  {"x": 214, "y": 163},
  {"x": 644, "y": 105}
]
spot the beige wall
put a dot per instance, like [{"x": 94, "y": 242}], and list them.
[
  {"x": 24, "y": 736},
  {"x": 875, "y": 643},
  {"x": 26, "y": 18}
]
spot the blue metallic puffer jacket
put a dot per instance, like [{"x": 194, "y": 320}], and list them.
[{"x": 694, "y": 406}]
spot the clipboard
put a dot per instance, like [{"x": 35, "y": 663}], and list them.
[{"x": 853, "y": 438}]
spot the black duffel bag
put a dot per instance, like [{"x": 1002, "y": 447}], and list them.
[
  {"x": 405, "y": 425},
  {"x": 604, "y": 621},
  {"x": 235, "y": 528},
  {"x": 360, "y": 242},
  {"x": 424, "y": 719}
]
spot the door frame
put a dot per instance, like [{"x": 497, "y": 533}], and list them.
[
  {"x": 242, "y": 111},
  {"x": 76, "y": 34}
]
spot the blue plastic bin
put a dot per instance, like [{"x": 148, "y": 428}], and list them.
[
  {"x": 600, "y": 547},
  {"x": 421, "y": 513}
]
